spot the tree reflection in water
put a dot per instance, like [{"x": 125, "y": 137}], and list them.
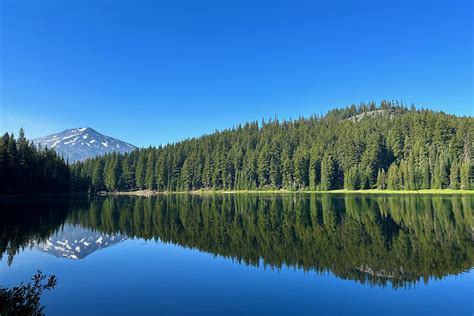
[{"x": 396, "y": 240}]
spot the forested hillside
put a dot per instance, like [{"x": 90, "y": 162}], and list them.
[
  {"x": 360, "y": 147},
  {"x": 25, "y": 168}
]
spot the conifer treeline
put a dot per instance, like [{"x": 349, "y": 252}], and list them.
[
  {"x": 24, "y": 168},
  {"x": 360, "y": 147}
]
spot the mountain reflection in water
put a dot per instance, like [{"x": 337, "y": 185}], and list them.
[
  {"x": 397, "y": 240},
  {"x": 74, "y": 242}
]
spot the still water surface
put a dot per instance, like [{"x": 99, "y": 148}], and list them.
[{"x": 300, "y": 254}]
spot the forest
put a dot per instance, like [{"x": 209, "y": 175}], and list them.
[
  {"x": 369, "y": 146},
  {"x": 25, "y": 168},
  {"x": 359, "y": 147}
]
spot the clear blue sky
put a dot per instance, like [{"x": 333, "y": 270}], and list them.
[{"x": 153, "y": 72}]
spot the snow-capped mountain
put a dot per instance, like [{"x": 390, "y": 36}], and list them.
[
  {"x": 81, "y": 143},
  {"x": 74, "y": 242}
]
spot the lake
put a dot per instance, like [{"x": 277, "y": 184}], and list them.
[{"x": 239, "y": 254}]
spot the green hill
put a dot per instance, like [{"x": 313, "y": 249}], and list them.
[{"x": 388, "y": 146}]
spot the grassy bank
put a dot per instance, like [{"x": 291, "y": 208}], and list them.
[{"x": 373, "y": 191}]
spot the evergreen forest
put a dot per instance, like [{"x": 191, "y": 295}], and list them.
[
  {"x": 369, "y": 146},
  {"x": 25, "y": 168},
  {"x": 360, "y": 147}
]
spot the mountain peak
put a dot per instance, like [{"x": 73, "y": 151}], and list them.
[
  {"x": 80, "y": 143},
  {"x": 80, "y": 130}
]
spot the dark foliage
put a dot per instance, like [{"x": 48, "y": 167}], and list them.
[
  {"x": 25, "y": 168},
  {"x": 25, "y": 298},
  {"x": 360, "y": 147}
]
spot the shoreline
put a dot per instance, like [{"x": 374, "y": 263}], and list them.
[
  {"x": 282, "y": 191},
  {"x": 223, "y": 192}
]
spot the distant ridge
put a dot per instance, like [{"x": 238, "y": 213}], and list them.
[{"x": 77, "y": 144}]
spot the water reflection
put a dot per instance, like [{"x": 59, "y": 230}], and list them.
[
  {"x": 74, "y": 242},
  {"x": 397, "y": 240}
]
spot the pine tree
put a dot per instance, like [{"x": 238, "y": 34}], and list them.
[
  {"x": 150, "y": 182},
  {"x": 375, "y": 156},
  {"x": 440, "y": 176},
  {"x": 409, "y": 174},
  {"x": 98, "y": 176},
  {"x": 263, "y": 166},
  {"x": 186, "y": 175},
  {"x": 217, "y": 183},
  {"x": 117, "y": 171},
  {"x": 275, "y": 167},
  {"x": 275, "y": 172},
  {"x": 327, "y": 173},
  {"x": 24, "y": 176},
  {"x": 351, "y": 179},
  {"x": 454, "y": 176},
  {"x": 161, "y": 171},
  {"x": 11, "y": 157},
  {"x": 140, "y": 171},
  {"x": 109, "y": 176},
  {"x": 250, "y": 171},
  {"x": 314, "y": 169},
  {"x": 207, "y": 173},
  {"x": 425, "y": 175},
  {"x": 288, "y": 181},
  {"x": 3, "y": 162},
  {"x": 127, "y": 175},
  {"x": 465, "y": 172},
  {"x": 301, "y": 168},
  {"x": 381, "y": 181},
  {"x": 393, "y": 177},
  {"x": 227, "y": 172}
]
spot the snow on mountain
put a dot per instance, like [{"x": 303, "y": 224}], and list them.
[
  {"x": 74, "y": 242},
  {"x": 77, "y": 144}
]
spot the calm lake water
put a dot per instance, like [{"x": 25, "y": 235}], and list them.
[{"x": 300, "y": 254}]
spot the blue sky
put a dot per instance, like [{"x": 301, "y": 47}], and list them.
[{"x": 153, "y": 72}]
